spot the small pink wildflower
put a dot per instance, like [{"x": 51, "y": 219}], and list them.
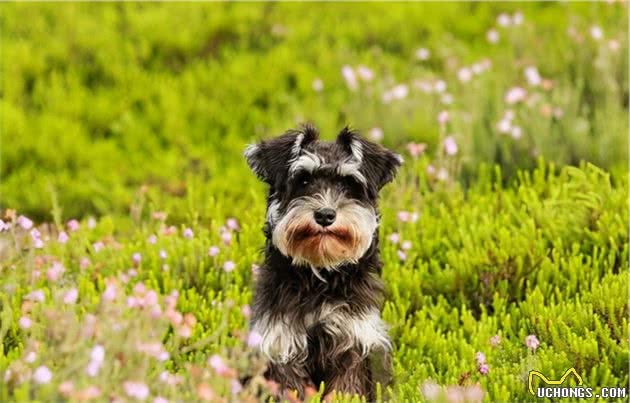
[
  {"x": 213, "y": 251},
  {"x": 136, "y": 390},
  {"x": 137, "y": 258},
  {"x": 226, "y": 237},
  {"x": 422, "y": 54},
  {"x": 62, "y": 237},
  {"x": 532, "y": 342},
  {"x": 532, "y": 76},
  {"x": 516, "y": 132},
  {"x": 37, "y": 295},
  {"x": 71, "y": 296},
  {"x": 91, "y": 223},
  {"x": 55, "y": 272},
  {"x": 350, "y": 77},
  {"x": 217, "y": 363},
  {"x": 480, "y": 358},
  {"x": 495, "y": 340},
  {"x": 492, "y": 36},
  {"x": 442, "y": 174},
  {"x": 406, "y": 245},
  {"x": 84, "y": 263},
  {"x": 464, "y": 74},
  {"x": 42, "y": 375},
  {"x": 365, "y": 73},
  {"x": 504, "y": 20},
  {"x": 160, "y": 399},
  {"x": 517, "y": 18},
  {"x": 25, "y": 222},
  {"x": 402, "y": 255},
  {"x": 98, "y": 246},
  {"x": 450, "y": 145},
  {"x": 229, "y": 266},
  {"x": 163, "y": 254},
  {"x": 73, "y": 225},
  {"x": 30, "y": 357},
  {"x": 232, "y": 223},
  {"x": 596, "y": 32},
  {"x": 403, "y": 216},
  {"x": 484, "y": 369},
  {"x": 246, "y": 310},
  {"x": 515, "y": 94},
  {"x": 443, "y": 117},
  {"x": 318, "y": 85},
  {"x": 25, "y": 322},
  {"x": 188, "y": 233},
  {"x": 416, "y": 149},
  {"x": 235, "y": 387},
  {"x": 152, "y": 239},
  {"x": 439, "y": 86},
  {"x": 394, "y": 238}
]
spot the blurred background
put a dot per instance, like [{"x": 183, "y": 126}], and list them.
[{"x": 103, "y": 104}]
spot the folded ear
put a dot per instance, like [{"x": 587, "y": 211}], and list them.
[
  {"x": 378, "y": 164},
  {"x": 270, "y": 159}
]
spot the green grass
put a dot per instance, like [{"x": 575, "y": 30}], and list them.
[{"x": 122, "y": 111}]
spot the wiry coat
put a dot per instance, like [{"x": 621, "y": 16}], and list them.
[{"x": 320, "y": 324}]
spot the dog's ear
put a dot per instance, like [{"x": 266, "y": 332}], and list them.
[
  {"x": 270, "y": 159},
  {"x": 378, "y": 164}
]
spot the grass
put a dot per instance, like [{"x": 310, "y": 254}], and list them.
[{"x": 132, "y": 120}]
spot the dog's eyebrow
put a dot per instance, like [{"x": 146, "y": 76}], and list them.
[
  {"x": 308, "y": 161},
  {"x": 351, "y": 168}
]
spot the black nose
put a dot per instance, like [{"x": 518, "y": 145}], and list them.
[{"x": 325, "y": 216}]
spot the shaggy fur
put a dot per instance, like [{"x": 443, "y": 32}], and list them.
[{"x": 318, "y": 294}]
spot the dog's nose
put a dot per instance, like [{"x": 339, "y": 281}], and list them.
[{"x": 325, "y": 216}]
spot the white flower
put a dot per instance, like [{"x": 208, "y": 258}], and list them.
[
  {"x": 464, "y": 74},
  {"x": 532, "y": 76},
  {"x": 42, "y": 375},
  {"x": 422, "y": 54},
  {"x": 492, "y": 36},
  {"x": 596, "y": 32}
]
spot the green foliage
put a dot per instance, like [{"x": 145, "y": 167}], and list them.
[
  {"x": 100, "y": 100},
  {"x": 546, "y": 255}
]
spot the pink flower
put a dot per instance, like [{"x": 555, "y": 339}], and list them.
[
  {"x": 188, "y": 233},
  {"x": 406, "y": 245},
  {"x": 136, "y": 390},
  {"x": 219, "y": 365},
  {"x": 232, "y": 223},
  {"x": 480, "y": 358},
  {"x": 55, "y": 272},
  {"x": 532, "y": 76},
  {"x": 254, "y": 339},
  {"x": 152, "y": 239},
  {"x": 464, "y": 74},
  {"x": 318, "y": 85},
  {"x": 98, "y": 353},
  {"x": 495, "y": 340},
  {"x": 93, "y": 368},
  {"x": 351, "y": 79},
  {"x": 137, "y": 258},
  {"x": 376, "y": 134},
  {"x": 365, "y": 73},
  {"x": 25, "y": 322},
  {"x": 532, "y": 342},
  {"x": 439, "y": 86},
  {"x": 31, "y": 356},
  {"x": 63, "y": 237},
  {"x": 37, "y": 295},
  {"x": 160, "y": 399},
  {"x": 484, "y": 369},
  {"x": 42, "y": 375},
  {"x": 110, "y": 292},
  {"x": 443, "y": 118},
  {"x": 73, "y": 225},
  {"x": 70, "y": 297},
  {"x": 229, "y": 266},
  {"x": 4, "y": 226},
  {"x": 446, "y": 99},
  {"x": 402, "y": 255},
  {"x": 416, "y": 149},
  {"x": 422, "y": 54},
  {"x": 504, "y": 126},
  {"x": 517, "y": 18},
  {"x": 163, "y": 254},
  {"x": 403, "y": 216},
  {"x": 226, "y": 237},
  {"x": 450, "y": 145},
  {"x": 442, "y": 174},
  {"x": 394, "y": 238},
  {"x": 35, "y": 234},
  {"x": 213, "y": 251},
  {"x": 515, "y": 94},
  {"x": 504, "y": 20},
  {"x": 492, "y": 36},
  {"x": 24, "y": 222},
  {"x": 235, "y": 386},
  {"x": 516, "y": 132},
  {"x": 84, "y": 263},
  {"x": 246, "y": 310},
  {"x": 98, "y": 246},
  {"x": 91, "y": 223},
  {"x": 596, "y": 33}
]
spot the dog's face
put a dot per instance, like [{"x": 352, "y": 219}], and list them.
[{"x": 321, "y": 209}]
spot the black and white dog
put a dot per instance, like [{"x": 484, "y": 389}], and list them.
[{"x": 318, "y": 294}]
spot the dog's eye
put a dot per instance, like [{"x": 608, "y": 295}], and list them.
[{"x": 303, "y": 179}]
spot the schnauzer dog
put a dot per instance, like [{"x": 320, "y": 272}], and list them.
[{"x": 318, "y": 294}]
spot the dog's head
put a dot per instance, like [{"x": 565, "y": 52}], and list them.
[{"x": 321, "y": 209}]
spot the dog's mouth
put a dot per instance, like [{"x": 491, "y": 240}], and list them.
[{"x": 310, "y": 232}]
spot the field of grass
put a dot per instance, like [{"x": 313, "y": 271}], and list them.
[{"x": 131, "y": 224}]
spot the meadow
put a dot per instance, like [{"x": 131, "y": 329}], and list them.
[{"x": 130, "y": 230}]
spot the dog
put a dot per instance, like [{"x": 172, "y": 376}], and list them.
[{"x": 318, "y": 293}]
